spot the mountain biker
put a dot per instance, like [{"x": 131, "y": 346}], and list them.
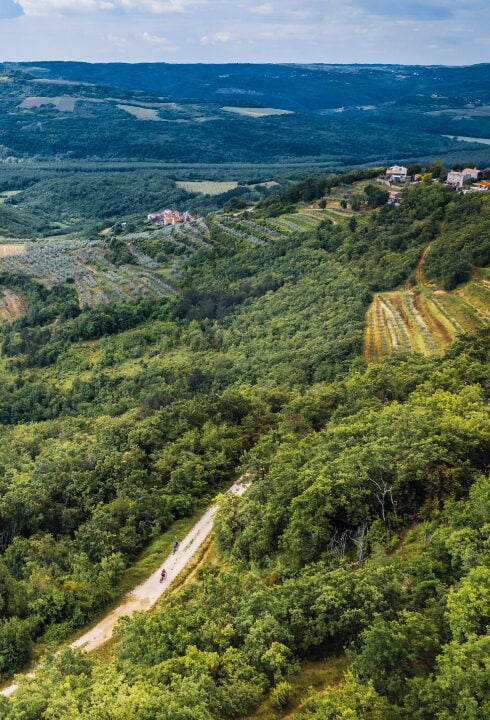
[
  {"x": 176, "y": 545},
  {"x": 163, "y": 575}
]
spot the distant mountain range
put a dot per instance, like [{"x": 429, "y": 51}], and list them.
[{"x": 302, "y": 88}]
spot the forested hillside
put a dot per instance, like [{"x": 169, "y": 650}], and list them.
[
  {"x": 362, "y": 542},
  {"x": 173, "y": 114}
]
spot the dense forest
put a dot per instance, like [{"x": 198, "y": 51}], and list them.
[
  {"x": 338, "y": 115},
  {"x": 364, "y": 534},
  {"x": 37, "y": 201}
]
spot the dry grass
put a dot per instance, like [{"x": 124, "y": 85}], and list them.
[
  {"x": 141, "y": 113},
  {"x": 206, "y": 187},
  {"x": 12, "y": 305},
  {"x": 12, "y": 249},
  {"x": 256, "y": 112},
  {"x": 64, "y": 103}
]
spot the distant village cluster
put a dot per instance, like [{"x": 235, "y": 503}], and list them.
[
  {"x": 463, "y": 181},
  {"x": 170, "y": 217}
]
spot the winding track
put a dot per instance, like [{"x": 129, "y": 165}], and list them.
[{"x": 145, "y": 595}]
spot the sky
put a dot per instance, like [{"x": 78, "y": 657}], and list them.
[{"x": 449, "y": 32}]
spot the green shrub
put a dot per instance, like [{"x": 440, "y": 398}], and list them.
[{"x": 281, "y": 695}]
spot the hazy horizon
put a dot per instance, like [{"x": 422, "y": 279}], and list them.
[{"x": 436, "y": 32}]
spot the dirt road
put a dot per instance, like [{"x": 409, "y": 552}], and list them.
[{"x": 145, "y": 595}]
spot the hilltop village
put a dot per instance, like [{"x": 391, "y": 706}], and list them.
[
  {"x": 170, "y": 217},
  {"x": 462, "y": 181}
]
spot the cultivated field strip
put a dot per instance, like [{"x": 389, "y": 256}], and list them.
[
  {"x": 196, "y": 233},
  {"x": 385, "y": 331},
  {"x": 292, "y": 225},
  {"x": 400, "y": 340},
  {"x": 258, "y": 232},
  {"x": 423, "y": 322},
  {"x": 308, "y": 219},
  {"x": 238, "y": 234},
  {"x": 421, "y": 334},
  {"x": 262, "y": 231},
  {"x": 446, "y": 327}
]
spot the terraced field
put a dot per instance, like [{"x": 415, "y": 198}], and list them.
[
  {"x": 258, "y": 233},
  {"x": 158, "y": 257},
  {"x": 424, "y": 320},
  {"x": 97, "y": 279}
]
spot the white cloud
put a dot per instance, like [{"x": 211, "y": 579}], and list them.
[
  {"x": 158, "y": 40},
  {"x": 216, "y": 39},
  {"x": 247, "y": 30},
  {"x": 72, "y": 7},
  {"x": 120, "y": 41},
  {"x": 10, "y": 9},
  {"x": 265, "y": 9}
]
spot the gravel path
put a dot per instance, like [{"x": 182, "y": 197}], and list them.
[{"x": 145, "y": 595}]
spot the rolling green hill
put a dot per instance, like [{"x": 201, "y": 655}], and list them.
[
  {"x": 361, "y": 544},
  {"x": 337, "y": 115}
]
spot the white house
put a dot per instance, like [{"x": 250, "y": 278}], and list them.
[
  {"x": 456, "y": 178},
  {"x": 397, "y": 173},
  {"x": 472, "y": 173}
]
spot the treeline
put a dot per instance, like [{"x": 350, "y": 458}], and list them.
[
  {"x": 23, "y": 223},
  {"x": 102, "y": 195},
  {"x": 312, "y": 188},
  {"x": 50, "y": 201}
]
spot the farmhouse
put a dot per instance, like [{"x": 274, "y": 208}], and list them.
[
  {"x": 170, "y": 217},
  {"x": 397, "y": 173},
  {"x": 456, "y": 178}
]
